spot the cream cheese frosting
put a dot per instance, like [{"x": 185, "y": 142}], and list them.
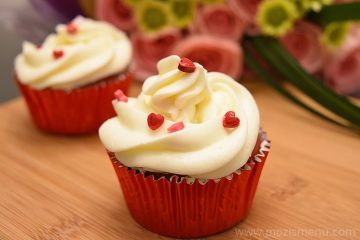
[
  {"x": 204, "y": 148},
  {"x": 73, "y": 57}
]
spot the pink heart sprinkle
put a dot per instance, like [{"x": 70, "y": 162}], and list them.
[
  {"x": 186, "y": 65},
  {"x": 58, "y": 54},
  {"x": 176, "y": 127},
  {"x": 71, "y": 28},
  {"x": 230, "y": 120},
  {"x": 155, "y": 121},
  {"x": 120, "y": 96}
]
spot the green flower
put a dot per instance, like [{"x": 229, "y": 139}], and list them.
[
  {"x": 314, "y": 5},
  {"x": 182, "y": 12},
  {"x": 152, "y": 16},
  {"x": 335, "y": 34},
  {"x": 276, "y": 17}
]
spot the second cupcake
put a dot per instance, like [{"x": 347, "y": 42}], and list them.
[{"x": 68, "y": 81}]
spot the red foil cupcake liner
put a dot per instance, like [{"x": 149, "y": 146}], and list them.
[
  {"x": 184, "y": 207},
  {"x": 78, "y": 111}
]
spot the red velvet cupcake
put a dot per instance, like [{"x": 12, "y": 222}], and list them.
[
  {"x": 188, "y": 151},
  {"x": 68, "y": 82}
]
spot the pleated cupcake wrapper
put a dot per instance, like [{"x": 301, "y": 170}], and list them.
[
  {"x": 185, "y": 207},
  {"x": 78, "y": 111}
]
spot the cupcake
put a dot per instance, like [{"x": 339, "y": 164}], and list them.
[
  {"x": 188, "y": 151},
  {"x": 68, "y": 81}
]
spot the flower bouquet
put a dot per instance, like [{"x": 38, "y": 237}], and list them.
[{"x": 311, "y": 47}]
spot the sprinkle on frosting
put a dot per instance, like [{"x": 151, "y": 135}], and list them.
[
  {"x": 58, "y": 54},
  {"x": 230, "y": 120},
  {"x": 176, "y": 127},
  {"x": 120, "y": 96},
  {"x": 155, "y": 121},
  {"x": 71, "y": 28},
  {"x": 186, "y": 65}
]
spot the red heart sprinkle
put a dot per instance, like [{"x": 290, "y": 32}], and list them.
[
  {"x": 230, "y": 120},
  {"x": 176, "y": 127},
  {"x": 120, "y": 96},
  {"x": 71, "y": 28},
  {"x": 58, "y": 54},
  {"x": 186, "y": 65},
  {"x": 39, "y": 46},
  {"x": 155, "y": 120}
]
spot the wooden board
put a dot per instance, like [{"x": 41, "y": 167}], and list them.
[{"x": 54, "y": 187}]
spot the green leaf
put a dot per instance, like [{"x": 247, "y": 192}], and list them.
[
  {"x": 337, "y": 13},
  {"x": 292, "y": 72},
  {"x": 266, "y": 76}
]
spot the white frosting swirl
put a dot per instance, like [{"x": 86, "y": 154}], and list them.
[
  {"x": 95, "y": 51},
  {"x": 204, "y": 148},
  {"x": 174, "y": 93}
]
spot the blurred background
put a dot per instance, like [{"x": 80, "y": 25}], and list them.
[{"x": 10, "y": 46}]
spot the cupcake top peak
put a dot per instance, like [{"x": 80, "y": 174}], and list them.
[
  {"x": 177, "y": 90},
  {"x": 185, "y": 121},
  {"x": 81, "y": 52}
]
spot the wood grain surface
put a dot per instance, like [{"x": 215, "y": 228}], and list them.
[{"x": 56, "y": 187}]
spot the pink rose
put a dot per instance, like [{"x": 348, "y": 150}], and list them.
[
  {"x": 303, "y": 42},
  {"x": 149, "y": 50},
  {"x": 215, "y": 54},
  {"x": 245, "y": 9},
  {"x": 342, "y": 71},
  {"x": 221, "y": 21},
  {"x": 115, "y": 12}
]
